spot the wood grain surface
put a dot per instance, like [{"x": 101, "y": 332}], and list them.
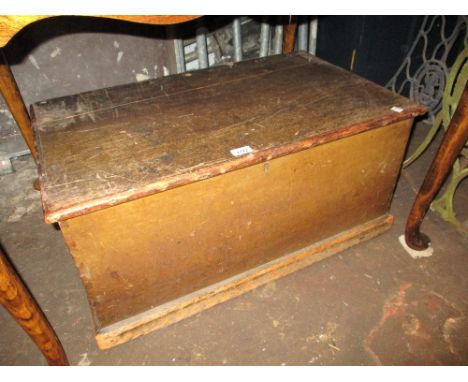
[
  {"x": 12, "y": 24},
  {"x": 15, "y": 297},
  {"x": 102, "y": 148},
  {"x": 168, "y": 314},
  {"x": 155, "y": 249}
]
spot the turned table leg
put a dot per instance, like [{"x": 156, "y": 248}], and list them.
[
  {"x": 15, "y": 297},
  {"x": 10, "y": 92},
  {"x": 452, "y": 144}
]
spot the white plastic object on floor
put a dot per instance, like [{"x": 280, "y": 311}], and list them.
[{"x": 412, "y": 252}]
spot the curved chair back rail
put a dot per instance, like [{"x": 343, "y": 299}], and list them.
[{"x": 10, "y": 25}]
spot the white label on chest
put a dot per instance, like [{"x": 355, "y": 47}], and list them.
[
  {"x": 241, "y": 151},
  {"x": 397, "y": 109}
]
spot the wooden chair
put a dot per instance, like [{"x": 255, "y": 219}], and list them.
[
  {"x": 444, "y": 204},
  {"x": 13, "y": 293},
  {"x": 10, "y": 25},
  {"x": 449, "y": 149}
]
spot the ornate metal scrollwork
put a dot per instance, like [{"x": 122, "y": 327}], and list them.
[
  {"x": 428, "y": 84},
  {"x": 423, "y": 73},
  {"x": 440, "y": 92}
]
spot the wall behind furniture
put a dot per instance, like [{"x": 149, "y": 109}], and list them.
[
  {"x": 370, "y": 46},
  {"x": 68, "y": 55}
]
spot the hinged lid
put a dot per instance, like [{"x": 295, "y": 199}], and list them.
[{"x": 105, "y": 147}]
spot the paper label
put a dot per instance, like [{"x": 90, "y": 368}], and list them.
[{"x": 241, "y": 151}]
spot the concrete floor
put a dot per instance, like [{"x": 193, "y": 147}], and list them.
[{"x": 372, "y": 304}]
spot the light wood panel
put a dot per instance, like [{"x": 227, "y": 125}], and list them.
[
  {"x": 156, "y": 249},
  {"x": 208, "y": 297},
  {"x": 12, "y": 24}
]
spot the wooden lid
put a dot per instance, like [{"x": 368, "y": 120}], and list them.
[{"x": 105, "y": 147}]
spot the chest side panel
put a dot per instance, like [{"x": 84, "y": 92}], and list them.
[{"x": 149, "y": 251}]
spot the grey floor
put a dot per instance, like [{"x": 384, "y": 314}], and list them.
[{"x": 372, "y": 304}]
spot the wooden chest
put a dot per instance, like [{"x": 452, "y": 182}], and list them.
[{"x": 179, "y": 193}]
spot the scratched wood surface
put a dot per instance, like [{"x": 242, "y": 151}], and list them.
[
  {"x": 152, "y": 251},
  {"x": 105, "y": 147},
  {"x": 189, "y": 305}
]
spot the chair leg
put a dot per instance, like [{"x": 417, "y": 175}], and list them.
[
  {"x": 289, "y": 35},
  {"x": 452, "y": 144},
  {"x": 15, "y": 297},
  {"x": 10, "y": 92}
]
